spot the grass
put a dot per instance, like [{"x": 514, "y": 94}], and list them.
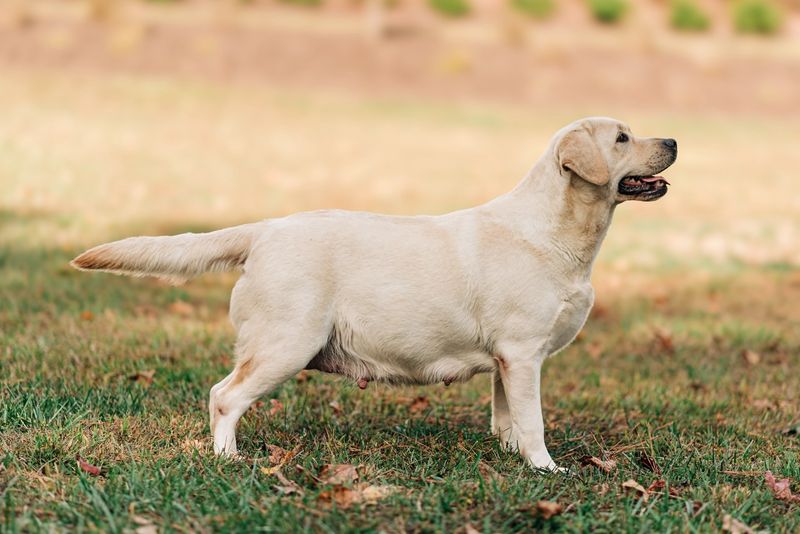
[
  {"x": 698, "y": 410},
  {"x": 658, "y": 370}
]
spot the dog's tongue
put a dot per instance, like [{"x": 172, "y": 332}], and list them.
[{"x": 652, "y": 179}]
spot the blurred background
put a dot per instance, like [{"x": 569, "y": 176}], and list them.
[{"x": 136, "y": 116}]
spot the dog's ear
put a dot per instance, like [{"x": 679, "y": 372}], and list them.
[{"x": 578, "y": 152}]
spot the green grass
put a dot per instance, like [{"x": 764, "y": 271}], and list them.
[
  {"x": 66, "y": 392},
  {"x": 674, "y": 266}
]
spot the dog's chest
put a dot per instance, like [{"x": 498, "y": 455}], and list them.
[{"x": 571, "y": 316}]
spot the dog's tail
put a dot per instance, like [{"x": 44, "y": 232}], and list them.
[{"x": 175, "y": 258}]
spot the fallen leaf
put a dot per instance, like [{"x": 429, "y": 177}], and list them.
[
  {"x": 762, "y": 404},
  {"x": 182, "y": 308},
  {"x": 599, "y": 311},
  {"x": 287, "y": 486},
  {"x": 595, "y": 350},
  {"x": 335, "y": 406},
  {"x": 780, "y": 488},
  {"x": 601, "y": 489},
  {"x": 87, "y": 315},
  {"x": 469, "y": 529},
  {"x": 87, "y": 467},
  {"x": 278, "y": 457},
  {"x": 345, "y": 497},
  {"x": 303, "y": 376},
  {"x": 488, "y": 474},
  {"x": 548, "y": 509},
  {"x": 190, "y": 445},
  {"x": 658, "y": 485},
  {"x": 649, "y": 463},
  {"x": 633, "y": 487},
  {"x": 144, "y": 525},
  {"x": 373, "y": 493},
  {"x": 419, "y": 404},
  {"x": 734, "y": 526},
  {"x": 751, "y": 357},
  {"x": 664, "y": 341},
  {"x": 604, "y": 465},
  {"x": 338, "y": 474},
  {"x": 144, "y": 378},
  {"x": 275, "y": 406},
  {"x": 276, "y": 454}
]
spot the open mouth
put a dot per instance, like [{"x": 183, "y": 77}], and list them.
[{"x": 643, "y": 187}]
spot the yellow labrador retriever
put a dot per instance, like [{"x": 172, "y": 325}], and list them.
[{"x": 419, "y": 300}]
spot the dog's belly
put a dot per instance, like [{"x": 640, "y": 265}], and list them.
[{"x": 400, "y": 369}]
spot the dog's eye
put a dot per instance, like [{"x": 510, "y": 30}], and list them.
[{"x": 622, "y": 138}]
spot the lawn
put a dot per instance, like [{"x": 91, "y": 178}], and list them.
[{"x": 685, "y": 373}]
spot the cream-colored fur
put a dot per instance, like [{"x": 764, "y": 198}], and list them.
[{"x": 495, "y": 288}]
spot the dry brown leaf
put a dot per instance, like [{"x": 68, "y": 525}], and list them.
[
  {"x": 604, "y": 465},
  {"x": 335, "y": 406},
  {"x": 601, "y": 489},
  {"x": 373, "y": 493},
  {"x": 599, "y": 311},
  {"x": 664, "y": 341},
  {"x": 144, "y": 525},
  {"x": 190, "y": 445},
  {"x": 303, "y": 376},
  {"x": 548, "y": 509},
  {"x": 278, "y": 457},
  {"x": 595, "y": 350},
  {"x": 87, "y": 467},
  {"x": 275, "y": 406},
  {"x": 287, "y": 487},
  {"x": 276, "y": 454},
  {"x": 657, "y": 486},
  {"x": 734, "y": 526},
  {"x": 633, "y": 487},
  {"x": 751, "y": 357},
  {"x": 781, "y": 488},
  {"x": 87, "y": 315},
  {"x": 488, "y": 474},
  {"x": 144, "y": 378},
  {"x": 338, "y": 474},
  {"x": 419, "y": 404},
  {"x": 345, "y": 497},
  {"x": 762, "y": 404},
  {"x": 648, "y": 462},
  {"x": 469, "y": 529},
  {"x": 182, "y": 308}
]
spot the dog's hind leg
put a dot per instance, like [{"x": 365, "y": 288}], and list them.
[
  {"x": 257, "y": 373},
  {"x": 501, "y": 417}
]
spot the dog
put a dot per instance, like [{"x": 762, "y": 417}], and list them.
[{"x": 496, "y": 288}]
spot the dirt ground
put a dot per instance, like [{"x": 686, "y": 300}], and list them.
[{"x": 567, "y": 62}]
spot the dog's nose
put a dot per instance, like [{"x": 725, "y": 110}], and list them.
[{"x": 671, "y": 144}]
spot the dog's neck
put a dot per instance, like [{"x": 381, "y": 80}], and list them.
[{"x": 559, "y": 212}]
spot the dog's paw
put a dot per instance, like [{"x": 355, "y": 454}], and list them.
[{"x": 546, "y": 464}]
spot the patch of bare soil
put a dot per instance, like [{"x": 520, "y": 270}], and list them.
[{"x": 567, "y": 62}]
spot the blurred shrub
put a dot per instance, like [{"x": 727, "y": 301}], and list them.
[
  {"x": 687, "y": 16},
  {"x": 756, "y": 16},
  {"x": 608, "y": 11},
  {"x": 451, "y": 8},
  {"x": 307, "y": 3},
  {"x": 539, "y": 9}
]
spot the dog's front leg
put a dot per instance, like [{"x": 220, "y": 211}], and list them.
[{"x": 520, "y": 377}]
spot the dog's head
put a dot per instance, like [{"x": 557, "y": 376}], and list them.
[{"x": 603, "y": 155}]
